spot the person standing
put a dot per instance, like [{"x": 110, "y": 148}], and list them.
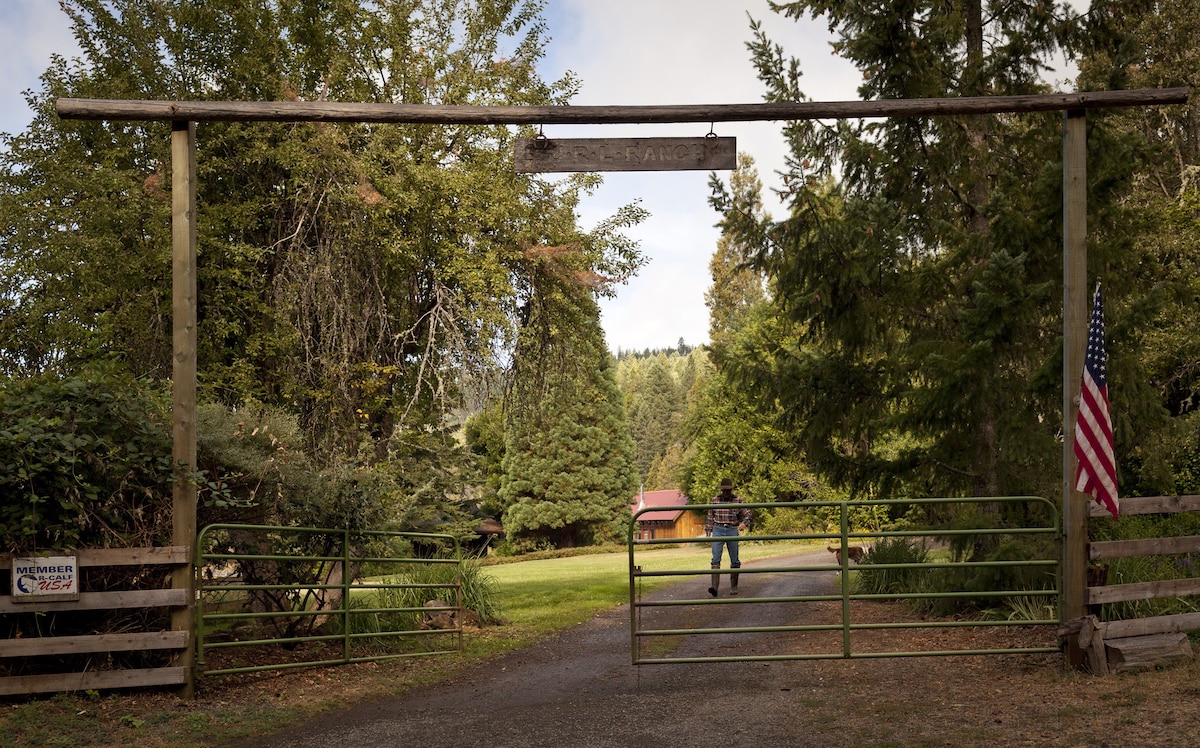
[{"x": 722, "y": 524}]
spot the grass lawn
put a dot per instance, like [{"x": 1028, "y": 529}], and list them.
[{"x": 552, "y": 594}]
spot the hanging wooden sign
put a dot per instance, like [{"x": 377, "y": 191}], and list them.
[{"x": 624, "y": 154}]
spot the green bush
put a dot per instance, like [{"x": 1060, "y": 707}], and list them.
[
  {"x": 1029, "y": 608},
  {"x": 85, "y": 461},
  {"x": 804, "y": 519},
  {"x": 255, "y": 458},
  {"x": 786, "y": 521},
  {"x": 958, "y": 579}
]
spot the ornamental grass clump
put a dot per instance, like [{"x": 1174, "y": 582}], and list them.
[{"x": 873, "y": 581}]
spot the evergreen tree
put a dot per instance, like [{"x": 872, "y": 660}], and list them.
[
  {"x": 655, "y": 389},
  {"x": 568, "y": 459},
  {"x": 920, "y": 263},
  {"x": 483, "y": 433},
  {"x": 654, "y": 413},
  {"x": 735, "y": 286},
  {"x": 730, "y": 433},
  {"x": 1151, "y": 245}
]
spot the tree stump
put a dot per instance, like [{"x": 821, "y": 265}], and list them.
[
  {"x": 1147, "y": 652},
  {"x": 1089, "y": 638}
]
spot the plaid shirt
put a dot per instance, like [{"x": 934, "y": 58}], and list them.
[{"x": 731, "y": 516}]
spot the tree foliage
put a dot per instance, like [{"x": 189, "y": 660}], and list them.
[
  {"x": 359, "y": 275},
  {"x": 654, "y": 409},
  {"x": 920, "y": 264},
  {"x": 736, "y": 287},
  {"x": 1155, "y": 238},
  {"x": 568, "y": 459}
]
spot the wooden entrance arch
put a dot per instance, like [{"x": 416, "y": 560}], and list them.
[{"x": 184, "y": 115}]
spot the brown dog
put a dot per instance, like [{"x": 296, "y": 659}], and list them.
[{"x": 855, "y": 552}]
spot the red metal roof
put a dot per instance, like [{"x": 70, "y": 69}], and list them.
[{"x": 668, "y": 498}]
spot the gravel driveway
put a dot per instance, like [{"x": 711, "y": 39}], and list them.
[{"x": 579, "y": 689}]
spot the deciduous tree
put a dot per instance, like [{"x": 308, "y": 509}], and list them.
[{"x": 354, "y": 274}]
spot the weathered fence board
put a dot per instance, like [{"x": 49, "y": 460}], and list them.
[
  {"x": 13, "y": 651},
  {"x": 92, "y": 680},
  {"x": 1143, "y": 547},
  {"x": 171, "y": 554},
  {"x": 1140, "y": 643},
  {"x": 1149, "y": 505},
  {"x": 101, "y": 601},
  {"x": 1147, "y": 652},
  {"x": 1157, "y": 625},
  {"x": 1115, "y": 593},
  {"x": 60, "y": 645}
]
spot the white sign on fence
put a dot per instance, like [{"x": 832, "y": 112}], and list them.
[{"x": 45, "y": 578}]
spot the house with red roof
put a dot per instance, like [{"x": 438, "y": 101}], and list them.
[{"x": 667, "y": 517}]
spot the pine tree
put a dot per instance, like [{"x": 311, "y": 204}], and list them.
[
  {"x": 569, "y": 459},
  {"x": 735, "y": 286},
  {"x": 920, "y": 263},
  {"x": 654, "y": 413}
]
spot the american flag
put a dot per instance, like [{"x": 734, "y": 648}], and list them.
[{"x": 1096, "y": 472}]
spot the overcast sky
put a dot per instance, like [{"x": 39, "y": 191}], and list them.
[{"x": 624, "y": 52}]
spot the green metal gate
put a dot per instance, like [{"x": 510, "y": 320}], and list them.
[
  {"x": 1041, "y": 519},
  {"x": 380, "y": 597}
]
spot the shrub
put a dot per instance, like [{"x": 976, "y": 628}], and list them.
[
  {"x": 795, "y": 520},
  {"x": 898, "y": 550},
  {"x": 480, "y": 593},
  {"x": 85, "y": 461}
]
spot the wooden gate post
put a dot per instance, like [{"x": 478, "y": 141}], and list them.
[
  {"x": 1075, "y": 322},
  {"x": 183, "y": 375}
]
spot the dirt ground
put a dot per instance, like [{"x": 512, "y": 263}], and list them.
[{"x": 580, "y": 688}]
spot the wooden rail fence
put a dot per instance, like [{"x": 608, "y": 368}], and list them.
[
  {"x": 12, "y": 650},
  {"x": 1139, "y": 642}
]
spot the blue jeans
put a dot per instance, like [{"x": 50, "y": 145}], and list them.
[{"x": 725, "y": 532}]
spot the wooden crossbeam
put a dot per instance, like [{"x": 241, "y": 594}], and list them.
[{"x": 449, "y": 114}]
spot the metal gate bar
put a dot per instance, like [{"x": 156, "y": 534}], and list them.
[
  {"x": 205, "y": 617},
  {"x": 845, "y": 537}
]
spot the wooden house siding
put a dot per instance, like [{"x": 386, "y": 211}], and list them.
[{"x": 671, "y": 520}]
